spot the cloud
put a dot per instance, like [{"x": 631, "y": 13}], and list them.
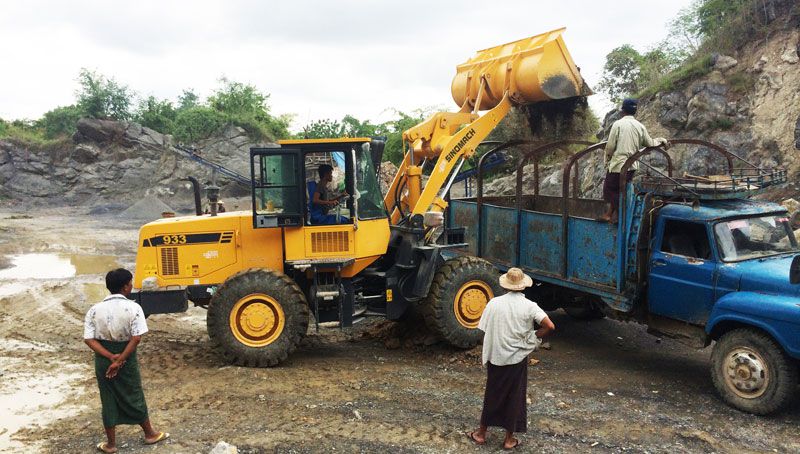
[{"x": 322, "y": 59}]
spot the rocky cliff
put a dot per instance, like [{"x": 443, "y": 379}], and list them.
[
  {"x": 748, "y": 103},
  {"x": 110, "y": 163}
]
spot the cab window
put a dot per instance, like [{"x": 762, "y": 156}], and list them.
[{"x": 687, "y": 239}]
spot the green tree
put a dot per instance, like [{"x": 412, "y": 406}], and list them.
[
  {"x": 100, "y": 97},
  {"x": 247, "y": 107},
  {"x": 60, "y": 121},
  {"x": 197, "y": 123},
  {"x": 621, "y": 73},
  {"x": 322, "y": 129},
  {"x": 349, "y": 126},
  {"x": 188, "y": 99},
  {"x": 158, "y": 114},
  {"x": 684, "y": 31},
  {"x": 393, "y": 130},
  {"x": 713, "y": 15}
]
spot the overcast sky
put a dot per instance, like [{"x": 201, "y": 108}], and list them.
[{"x": 316, "y": 59}]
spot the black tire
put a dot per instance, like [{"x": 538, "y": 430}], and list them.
[
  {"x": 440, "y": 305},
  {"x": 750, "y": 350},
  {"x": 245, "y": 286},
  {"x": 588, "y": 312}
]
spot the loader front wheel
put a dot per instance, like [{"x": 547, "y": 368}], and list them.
[
  {"x": 460, "y": 290},
  {"x": 257, "y": 318}
]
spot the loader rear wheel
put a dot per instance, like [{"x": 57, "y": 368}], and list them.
[
  {"x": 257, "y": 318},
  {"x": 460, "y": 290}
]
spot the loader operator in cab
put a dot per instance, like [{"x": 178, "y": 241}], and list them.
[
  {"x": 322, "y": 200},
  {"x": 627, "y": 136}
]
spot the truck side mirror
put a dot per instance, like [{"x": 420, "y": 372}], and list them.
[{"x": 794, "y": 270}]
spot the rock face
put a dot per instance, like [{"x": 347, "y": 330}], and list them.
[
  {"x": 119, "y": 163},
  {"x": 749, "y": 103}
]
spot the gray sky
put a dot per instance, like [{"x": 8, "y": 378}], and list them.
[{"x": 316, "y": 59}]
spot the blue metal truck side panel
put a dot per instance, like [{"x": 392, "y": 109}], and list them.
[
  {"x": 540, "y": 241},
  {"x": 498, "y": 236},
  {"x": 781, "y": 320},
  {"x": 592, "y": 251}
]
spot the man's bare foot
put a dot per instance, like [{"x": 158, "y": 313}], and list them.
[
  {"x": 155, "y": 438},
  {"x": 476, "y": 437},
  {"x": 508, "y": 445},
  {"x": 104, "y": 446}
]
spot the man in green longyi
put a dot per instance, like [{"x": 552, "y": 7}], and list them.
[{"x": 113, "y": 329}]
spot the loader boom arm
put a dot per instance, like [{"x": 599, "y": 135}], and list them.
[{"x": 526, "y": 71}]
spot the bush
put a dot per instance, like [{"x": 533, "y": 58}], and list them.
[
  {"x": 99, "y": 97},
  {"x": 197, "y": 123},
  {"x": 243, "y": 105},
  {"x": 59, "y": 122},
  {"x": 156, "y": 114}
]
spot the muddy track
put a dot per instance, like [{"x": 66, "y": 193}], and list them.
[{"x": 604, "y": 386}]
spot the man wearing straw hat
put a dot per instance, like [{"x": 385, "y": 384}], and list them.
[{"x": 509, "y": 337}]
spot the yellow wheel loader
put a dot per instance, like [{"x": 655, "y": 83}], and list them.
[{"x": 323, "y": 243}]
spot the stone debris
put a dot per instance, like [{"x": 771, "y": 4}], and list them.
[
  {"x": 724, "y": 63},
  {"x": 224, "y": 448},
  {"x": 148, "y": 208},
  {"x": 790, "y": 56}
]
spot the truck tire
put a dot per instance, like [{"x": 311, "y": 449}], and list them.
[
  {"x": 257, "y": 318},
  {"x": 752, "y": 373},
  {"x": 460, "y": 290}
]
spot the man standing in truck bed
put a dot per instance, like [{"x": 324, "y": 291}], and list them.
[{"x": 627, "y": 136}]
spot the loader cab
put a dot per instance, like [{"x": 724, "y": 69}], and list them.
[{"x": 286, "y": 178}]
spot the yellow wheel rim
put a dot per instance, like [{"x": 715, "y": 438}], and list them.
[
  {"x": 257, "y": 320},
  {"x": 470, "y": 301}
]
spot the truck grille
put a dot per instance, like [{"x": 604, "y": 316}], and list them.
[
  {"x": 322, "y": 242},
  {"x": 169, "y": 261}
]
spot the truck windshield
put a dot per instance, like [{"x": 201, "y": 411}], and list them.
[{"x": 749, "y": 238}]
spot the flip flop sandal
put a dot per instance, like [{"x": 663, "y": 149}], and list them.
[
  {"x": 471, "y": 436},
  {"x": 103, "y": 447},
  {"x": 514, "y": 446},
  {"x": 161, "y": 437}
]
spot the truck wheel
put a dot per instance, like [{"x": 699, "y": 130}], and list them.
[
  {"x": 752, "y": 373},
  {"x": 460, "y": 290},
  {"x": 257, "y": 317}
]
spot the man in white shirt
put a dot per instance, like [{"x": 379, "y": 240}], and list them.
[
  {"x": 509, "y": 337},
  {"x": 627, "y": 136},
  {"x": 113, "y": 329}
]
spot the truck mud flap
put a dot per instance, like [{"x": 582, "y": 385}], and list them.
[{"x": 162, "y": 301}]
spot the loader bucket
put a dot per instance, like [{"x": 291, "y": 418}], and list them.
[{"x": 532, "y": 70}]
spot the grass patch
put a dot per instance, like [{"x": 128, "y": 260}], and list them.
[
  {"x": 741, "y": 82},
  {"x": 721, "y": 124},
  {"x": 688, "y": 71}
]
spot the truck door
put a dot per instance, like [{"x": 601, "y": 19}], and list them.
[{"x": 682, "y": 270}]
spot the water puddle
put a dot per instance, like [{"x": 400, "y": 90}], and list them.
[
  {"x": 56, "y": 266},
  {"x": 27, "y": 400}
]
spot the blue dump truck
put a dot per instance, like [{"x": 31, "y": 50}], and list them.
[{"x": 693, "y": 258}]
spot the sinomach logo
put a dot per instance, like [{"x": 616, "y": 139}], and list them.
[{"x": 460, "y": 144}]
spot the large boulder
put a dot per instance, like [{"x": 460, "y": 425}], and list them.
[{"x": 673, "y": 112}]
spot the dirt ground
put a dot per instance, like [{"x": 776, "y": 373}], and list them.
[{"x": 603, "y": 386}]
